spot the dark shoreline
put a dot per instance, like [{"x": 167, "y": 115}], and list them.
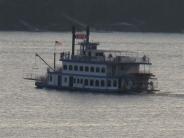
[{"x": 98, "y": 31}]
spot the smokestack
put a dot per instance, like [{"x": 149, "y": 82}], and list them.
[
  {"x": 73, "y": 41},
  {"x": 87, "y": 34}
]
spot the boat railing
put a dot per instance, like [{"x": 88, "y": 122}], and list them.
[
  {"x": 65, "y": 55},
  {"x": 125, "y": 56},
  {"x": 128, "y": 59},
  {"x": 143, "y": 59},
  {"x": 119, "y": 57},
  {"x": 84, "y": 58}
]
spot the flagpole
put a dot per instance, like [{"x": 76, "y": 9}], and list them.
[{"x": 55, "y": 56}]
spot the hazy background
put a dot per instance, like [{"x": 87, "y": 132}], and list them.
[{"x": 111, "y": 15}]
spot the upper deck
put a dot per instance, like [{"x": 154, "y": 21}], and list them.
[
  {"x": 88, "y": 52},
  {"x": 106, "y": 56}
]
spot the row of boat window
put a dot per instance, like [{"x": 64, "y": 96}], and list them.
[
  {"x": 96, "y": 83},
  {"x": 84, "y": 68}
]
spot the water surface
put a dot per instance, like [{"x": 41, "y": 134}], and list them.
[{"x": 29, "y": 112}]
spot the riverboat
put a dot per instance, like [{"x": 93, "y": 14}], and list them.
[{"x": 93, "y": 69}]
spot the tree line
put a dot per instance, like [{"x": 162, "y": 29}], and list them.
[{"x": 145, "y": 15}]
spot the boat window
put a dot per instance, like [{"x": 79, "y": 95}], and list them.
[
  {"x": 122, "y": 68},
  {"x": 99, "y": 54},
  {"x": 102, "y": 83},
  {"x": 97, "y": 69},
  {"x": 103, "y": 70},
  {"x": 81, "y": 81},
  {"x": 78, "y": 80},
  {"x": 109, "y": 83},
  {"x": 114, "y": 83},
  {"x": 92, "y": 69},
  {"x": 97, "y": 83},
  {"x": 50, "y": 78},
  {"x": 91, "y": 82},
  {"x": 65, "y": 67},
  {"x": 65, "y": 79},
  {"x": 81, "y": 68},
  {"x": 70, "y": 67},
  {"x": 86, "y": 68},
  {"x": 89, "y": 54},
  {"x": 86, "y": 82},
  {"x": 76, "y": 68}
]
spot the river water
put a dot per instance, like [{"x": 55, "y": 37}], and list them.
[{"x": 29, "y": 112}]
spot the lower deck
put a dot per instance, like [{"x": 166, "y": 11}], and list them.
[
  {"x": 83, "y": 82},
  {"x": 98, "y": 83}
]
